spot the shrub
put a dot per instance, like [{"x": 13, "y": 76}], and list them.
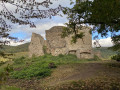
[
  {"x": 116, "y": 57},
  {"x": 52, "y": 65},
  {"x": 19, "y": 60},
  {"x": 4, "y": 74},
  {"x": 33, "y": 56},
  {"x": 2, "y": 54},
  {"x": 1, "y": 63},
  {"x": 8, "y": 69},
  {"x": 45, "y": 49}
]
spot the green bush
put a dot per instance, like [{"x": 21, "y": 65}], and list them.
[
  {"x": 19, "y": 60},
  {"x": 116, "y": 57},
  {"x": 45, "y": 49},
  {"x": 8, "y": 69},
  {"x": 5, "y": 73},
  {"x": 52, "y": 65},
  {"x": 2, "y": 54},
  {"x": 1, "y": 63}
]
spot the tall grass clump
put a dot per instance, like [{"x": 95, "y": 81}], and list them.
[{"x": 5, "y": 74}]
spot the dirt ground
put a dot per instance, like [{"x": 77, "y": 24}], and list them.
[{"x": 69, "y": 72}]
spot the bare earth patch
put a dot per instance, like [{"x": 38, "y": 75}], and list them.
[{"x": 82, "y": 71}]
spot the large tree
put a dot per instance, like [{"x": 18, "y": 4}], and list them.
[
  {"x": 21, "y": 14},
  {"x": 103, "y": 15}
]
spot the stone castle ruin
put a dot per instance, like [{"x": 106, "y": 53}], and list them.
[{"x": 56, "y": 45}]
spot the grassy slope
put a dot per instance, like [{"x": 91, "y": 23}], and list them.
[
  {"x": 105, "y": 52},
  {"x": 41, "y": 66},
  {"x": 15, "y": 49},
  {"x": 68, "y": 69}
]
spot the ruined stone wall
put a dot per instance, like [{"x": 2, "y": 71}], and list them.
[
  {"x": 83, "y": 47},
  {"x": 57, "y": 45},
  {"x": 86, "y": 42},
  {"x": 36, "y": 45}
]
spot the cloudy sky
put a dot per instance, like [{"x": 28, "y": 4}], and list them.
[{"x": 25, "y": 32}]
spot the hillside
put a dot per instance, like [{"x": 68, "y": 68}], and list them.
[
  {"x": 15, "y": 49},
  {"x": 105, "y": 52}
]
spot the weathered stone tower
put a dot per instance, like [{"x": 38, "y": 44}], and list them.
[
  {"x": 57, "y": 45},
  {"x": 36, "y": 45}
]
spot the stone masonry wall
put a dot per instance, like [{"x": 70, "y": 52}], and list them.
[
  {"x": 57, "y": 45},
  {"x": 36, "y": 45}
]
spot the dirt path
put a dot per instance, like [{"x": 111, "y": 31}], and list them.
[
  {"x": 82, "y": 71},
  {"x": 70, "y": 72}
]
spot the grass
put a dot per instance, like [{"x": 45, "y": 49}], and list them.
[
  {"x": 41, "y": 66},
  {"x": 9, "y": 88},
  {"x": 18, "y": 55},
  {"x": 8, "y": 60},
  {"x": 35, "y": 70}
]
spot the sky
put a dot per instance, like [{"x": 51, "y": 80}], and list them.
[{"x": 24, "y": 32}]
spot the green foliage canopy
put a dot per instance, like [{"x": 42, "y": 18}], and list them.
[{"x": 104, "y": 15}]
